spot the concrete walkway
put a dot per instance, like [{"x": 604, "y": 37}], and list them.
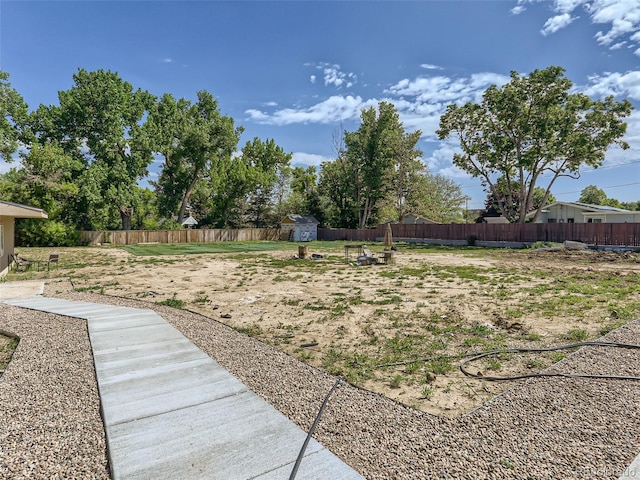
[{"x": 170, "y": 411}]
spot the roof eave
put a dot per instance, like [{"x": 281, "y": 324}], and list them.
[{"x": 21, "y": 211}]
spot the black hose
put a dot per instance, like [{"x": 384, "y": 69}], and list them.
[
  {"x": 313, "y": 429},
  {"x": 546, "y": 374}
]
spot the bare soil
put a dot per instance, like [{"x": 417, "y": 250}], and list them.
[{"x": 353, "y": 320}]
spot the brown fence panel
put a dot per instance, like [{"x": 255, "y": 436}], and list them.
[
  {"x": 133, "y": 237},
  {"x": 609, "y": 234},
  {"x": 350, "y": 235}
]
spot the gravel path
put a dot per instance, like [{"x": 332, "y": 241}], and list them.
[
  {"x": 50, "y": 425},
  {"x": 547, "y": 428}
]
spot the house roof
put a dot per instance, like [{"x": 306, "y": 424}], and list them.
[
  {"x": 17, "y": 210},
  {"x": 300, "y": 219},
  {"x": 587, "y": 208},
  {"x": 186, "y": 220},
  {"x": 189, "y": 221},
  {"x": 600, "y": 208}
]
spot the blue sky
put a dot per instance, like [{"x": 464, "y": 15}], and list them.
[{"x": 300, "y": 71}]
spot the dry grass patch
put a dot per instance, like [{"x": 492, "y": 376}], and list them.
[{"x": 400, "y": 329}]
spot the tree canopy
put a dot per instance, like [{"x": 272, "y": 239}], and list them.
[
  {"x": 193, "y": 139},
  {"x": 13, "y": 112},
  {"x": 530, "y": 127}
]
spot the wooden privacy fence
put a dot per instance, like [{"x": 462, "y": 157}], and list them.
[
  {"x": 203, "y": 235},
  {"x": 613, "y": 234}
]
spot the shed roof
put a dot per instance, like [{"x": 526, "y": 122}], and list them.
[
  {"x": 300, "y": 219},
  {"x": 17, "y": 210}
]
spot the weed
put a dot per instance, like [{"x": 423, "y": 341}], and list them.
[
  {"x": 413, "y": 367},
  {"x": 576, "y": 335},
  {"x": 253, "y": 330},
  {"x": 201, "y": 299},
  {"x": 609, "y": 327},
  {"x": 291, "y": 302},
  {"x": 493, "y": 364},
  {"x": 440, "y": 365},
  {"x": 396, "y": 381},
  {"x": 427, "y": 392},
  {"x": 172, "y": 302},
  {"x": 558, "y": 356},
  {"x": 535, "y": 363}
]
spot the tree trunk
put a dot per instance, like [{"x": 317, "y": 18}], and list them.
[
  {"x": 125, "y": 216},
  {"x": 187, "y": 195}
]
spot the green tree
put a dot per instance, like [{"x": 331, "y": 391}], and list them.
[
  {"x": 500, "y": 193},
  {"x": 630, "y": 205},
  {"x": 304, "y": 197},
  {"x": 13, "y": 113},
  {"x": 438, "y": 198},
  {"x": 46, "y": 180},
  {"x": 98, "y": 122},
  {"x": 371, "y": 154},
  {"x": 336, "y": 185},
  {"x": 529, "y": 127},
  {"x": 596, "y": 196},
  {"x": 193, "y": 139},
  {"x": 264, "y": 162}
]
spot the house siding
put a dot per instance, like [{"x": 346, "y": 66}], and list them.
[
  {"x": 568, "y": 213},
  {"x": 8, "y": 227}
]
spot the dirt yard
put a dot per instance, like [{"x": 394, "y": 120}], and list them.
[{"x": 420, "y": 314}]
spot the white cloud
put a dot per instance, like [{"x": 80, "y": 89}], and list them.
[
  {"x": 307, "y": 159},
  {"x": 430, "y": 66},
  {"x": 622, "y": 16},
  {"x": 439, "y": 89},
  {"x": 270, "y": 104},
  {"x": 614, "y": 83},
  {"x": 333, "y": 75},
  {"x": 553, "y": 24},
  {"x": 167, "y": 60},
  {"x": 332, "y": 110},
  {"x": 618, "y": 45}
]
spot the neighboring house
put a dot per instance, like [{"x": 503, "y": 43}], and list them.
[
  {"x": 499, "y": 219},
  {"x": 491, "y": 215},
  {"x": 410, "y": 219},
  {"x": 299, "y": 228},
  {"x": 575, "y": 212},
  {"x": 8, "y": 213}
]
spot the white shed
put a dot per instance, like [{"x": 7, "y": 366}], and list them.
[{"x": 299, "y": 228}]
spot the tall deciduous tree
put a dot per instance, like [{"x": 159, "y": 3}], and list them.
[
  {"x": 192, "y": 139},
  {"x": 529, "y": 127},
  {"x": 13, "y": 112},
  {"x": 371, "y": 154},
  {"x": 264, "y": 162},
  {"x": 98, "y": 122}
]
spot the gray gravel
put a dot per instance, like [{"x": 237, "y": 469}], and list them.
[
  {"x": 549, "y": 428},
  {"x": 50, "y": 425}
]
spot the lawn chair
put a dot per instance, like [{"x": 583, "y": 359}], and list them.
[
  {"x": 19, "y": 264},
  {"x": 368, "y": 258},
  {"x": 53, "y": 258}
]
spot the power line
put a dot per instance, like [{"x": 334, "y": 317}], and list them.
[
  {"x": 618, "y": 165},
  {"x": 602, "y": 188}
]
